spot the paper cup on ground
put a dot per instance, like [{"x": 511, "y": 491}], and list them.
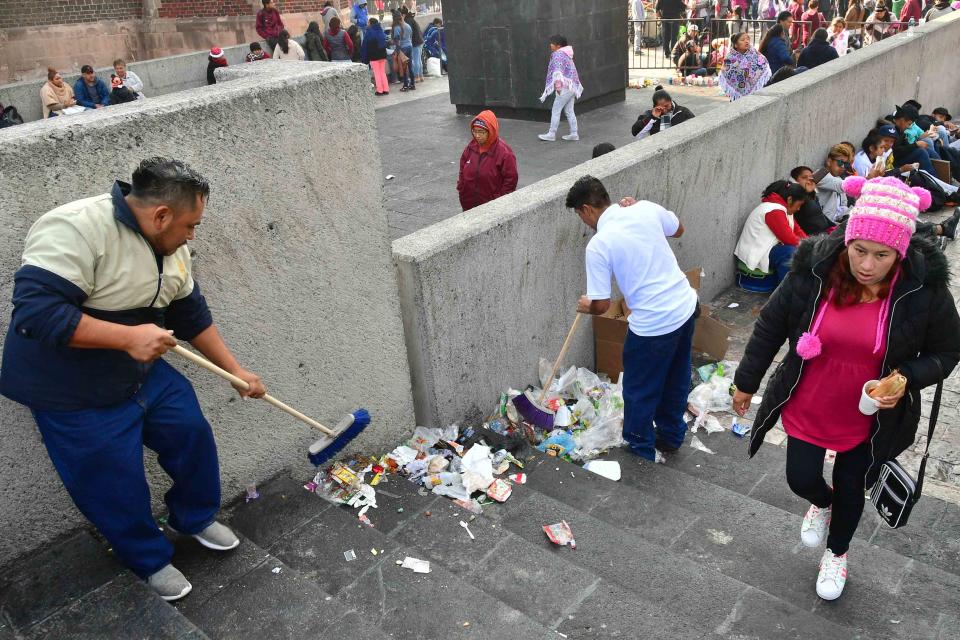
[{"x": 868, "y": 406}]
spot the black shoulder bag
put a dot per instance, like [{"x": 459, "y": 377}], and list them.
[{"x": 896, "y": 492}]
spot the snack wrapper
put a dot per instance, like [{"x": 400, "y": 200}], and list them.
[{"x": 560, "y": 534}]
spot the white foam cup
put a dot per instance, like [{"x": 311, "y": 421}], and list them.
[{"x": 868, "y": 406}]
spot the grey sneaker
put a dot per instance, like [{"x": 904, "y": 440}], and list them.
[
  {"x": 547, "y": 137},
  {"x": 169, "y": 583},
  {"x": 571, "y": 136},
  {"x": 216, "y": 537}
]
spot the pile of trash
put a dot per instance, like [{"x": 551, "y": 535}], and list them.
[{"x": 479, "y": 466}]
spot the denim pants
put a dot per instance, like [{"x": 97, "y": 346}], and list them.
[
  {"x": 416, "y": 61},
  {"x": 780, "y": 257},
  {"x": 918, "y": 155},
  {"x": 99, "y": 456},
  {"x": 656, "y": 382},
  {"x": 408, "y": 78},
  {"x": 563, "y": 102}
]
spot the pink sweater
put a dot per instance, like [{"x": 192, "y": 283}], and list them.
[{"x": 824, "y": 408}]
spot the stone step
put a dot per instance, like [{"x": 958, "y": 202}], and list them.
[
  {"x": 758, "y": 544},
  {"x": 311, "y": 536},
  {"x": 75, "y": 588},
  {"x": 931, "y": 536}
]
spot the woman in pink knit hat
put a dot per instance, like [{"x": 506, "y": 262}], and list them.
[{"x": 864, "y": 301}]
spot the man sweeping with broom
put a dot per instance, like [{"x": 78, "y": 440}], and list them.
[
  {"x": 99, "y": 281},
  {"x": 631, "y": 245}
]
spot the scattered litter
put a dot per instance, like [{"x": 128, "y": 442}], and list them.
[
  {"x": 658, "y": 457},
  {"x": 733, "y": 305},
  {"x": 609, "y": 469},
  {"x": 365, "y": 520},
  {"x": 399, "y": 509},
  {"x": 477, "y": 468},
  {"x": 472, "y": 506},
  {"x": 699, "y": 446},
  {"x": 560, "y": 534},
  {"x": 719, "y": 537},
  {"x": 571, "y": 475},
  {"x": 252, "y": 493},
  {"x": 740, "y": 429},
  {"x": 390, "y": 177},
  {"x": 418, "y": 566},
  {"x": 350, "y": 555},
  {"x": 518, "y": 478},
  {"x": 756, "y": 399},
  {"x": 428, "y": 513},
  {"x": 373, "y": 551},
  {"x": 277, "y": 570},
  {"x": 466, "y": 624},
  {"x": 500, "y": 490},
  {"x": 162, "y": 520},
  {"x": 895, "y": 621},
  {"x": 467, "y": 529}
]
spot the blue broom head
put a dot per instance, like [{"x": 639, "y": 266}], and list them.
[{"x": 361, "y": 418}]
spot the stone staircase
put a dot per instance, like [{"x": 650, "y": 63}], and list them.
[{"x": 704, "y": 546}]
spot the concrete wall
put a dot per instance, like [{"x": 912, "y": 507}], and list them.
[
  {"x": 294, "y": 262},
  {"x": 160, "y": 77},
  {"x": 485, "y": 293}
]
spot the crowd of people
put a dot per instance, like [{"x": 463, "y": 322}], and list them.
[
  {"x": 701, "y": 38},
  {"x": 814, "y": 202},
  {"x": 394, "y": 56}
]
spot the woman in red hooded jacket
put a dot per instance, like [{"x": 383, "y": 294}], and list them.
[{"x": 488, "y": 168}]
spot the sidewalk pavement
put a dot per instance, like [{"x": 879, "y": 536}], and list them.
[{"x": 422, "y": 138}]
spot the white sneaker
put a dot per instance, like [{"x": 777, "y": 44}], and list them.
[
  {"x": 833, "y": 575},
  {"x": 572, "y": 136},
  {"x": 547, "y": 137},
  {"x": 815, "y": 525}
]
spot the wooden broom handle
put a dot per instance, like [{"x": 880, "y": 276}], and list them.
[
  {"x": 563, "y": 352},
  {"x": 232, "y": 379}
]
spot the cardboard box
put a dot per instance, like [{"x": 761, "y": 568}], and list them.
[{"x": 610, "y": 332}]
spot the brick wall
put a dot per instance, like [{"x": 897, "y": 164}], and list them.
[
  {"x": 216, "y": 8},
  {"x": 31, "y": 13}
]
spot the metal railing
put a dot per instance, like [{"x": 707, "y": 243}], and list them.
[{"x": 653, "y": 42}]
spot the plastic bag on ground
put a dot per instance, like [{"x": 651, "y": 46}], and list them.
[
  {"x": 712, "y": 396},
  {"x": 559, "y": 444},
  {"x": 423, "y": 438},
  {"x": 609, "y": 469},
  {"x": 477, "y": 468},
  {"x": 602, "y": 435}
]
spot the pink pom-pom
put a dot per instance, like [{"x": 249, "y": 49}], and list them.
[
  {"x": 808, "y": 346},
  {"x": 925, "y": 198},
  {"x": 853, "y": 185}
]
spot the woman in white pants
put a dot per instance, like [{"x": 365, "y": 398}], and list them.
[{"x": 564, "y": 82}]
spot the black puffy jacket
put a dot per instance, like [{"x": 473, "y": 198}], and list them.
[
  {"x": 680, "y": 114},
  {"x": 923, "y": 339}
]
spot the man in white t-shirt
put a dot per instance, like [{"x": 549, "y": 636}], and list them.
[{"x": 631, "y": 246}]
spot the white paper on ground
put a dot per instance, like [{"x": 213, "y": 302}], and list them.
[
  {"x": 609, "y": 469},
  {"x": 699, "y": 446},
  {"x": 418, "y": 566}
]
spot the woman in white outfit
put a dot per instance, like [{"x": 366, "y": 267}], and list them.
[{"x": 564, "y": 82}]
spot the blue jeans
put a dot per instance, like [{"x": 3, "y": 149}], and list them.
[
  {"x": 408, "y": 77},
  {"x": 99, "y": 456},
  {"x": 917, "y": 155},
  {"x": 780, "y": 257},
  {"x": 416, "y": 60},
  {"x": 656, "y": 382}
]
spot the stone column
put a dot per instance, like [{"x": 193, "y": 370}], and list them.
[{"x": 499, "y": 49}]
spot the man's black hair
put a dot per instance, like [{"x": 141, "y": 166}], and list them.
[
  {"x": 558, "y": 40},
  {"x": 783, "y": 15},
  {"x": 86, "y": 69},
  {"x": 602, "y": 148},
  {"x": 168, "y": 181},
  {"x": 915, "y": 104},
  {"x": 265, "y": 3},
  {"x": 821, "y": 34},
  {"x": 255, "y": 46},
  {"x": 587, "y": 190},
  {"x": 796, "y": 171}
]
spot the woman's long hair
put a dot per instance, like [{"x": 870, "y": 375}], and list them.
[
  {"x": 847, "y": 291},
  {"x": 314, "y": 27},
  {"x": 283, "y": 40},
  {"x": 776, "y": 31}
]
